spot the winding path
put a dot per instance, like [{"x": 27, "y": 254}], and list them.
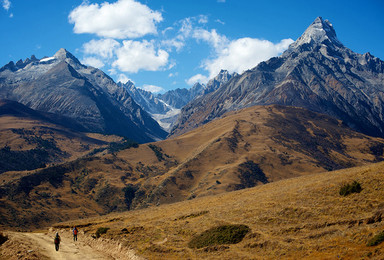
[{"x": 69, "y": 249}]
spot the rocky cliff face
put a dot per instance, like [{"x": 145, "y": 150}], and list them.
[
  {"x": 317, "y": 72},
  {"x": 62, "y": 85}
]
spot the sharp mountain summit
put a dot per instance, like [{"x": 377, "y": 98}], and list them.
[{"x": 317, "y": 72}]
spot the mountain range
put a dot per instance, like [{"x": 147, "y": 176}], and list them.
[
  {"x": 316, "y": 108},
  {"x": 62, "y": 86},
  {"x": 317, "y": 72},
  {"x": 165, "y": 108}
]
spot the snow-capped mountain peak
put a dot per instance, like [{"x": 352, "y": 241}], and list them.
[{"x": 318, "y": 32}]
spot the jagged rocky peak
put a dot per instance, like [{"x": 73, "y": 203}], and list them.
[
  {"x": 63, "y": 54},
  {"x": 223, "y": 76},
  {"x": 319, "y": 31}
]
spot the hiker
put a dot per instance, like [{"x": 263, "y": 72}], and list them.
[
  {"x": 75, "y": 231},
  {"x": 57, "y": 241}
]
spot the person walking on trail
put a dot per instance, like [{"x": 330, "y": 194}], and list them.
[
  {"x": 57, "y": 241},
  {"x": 75, "y": 231}
]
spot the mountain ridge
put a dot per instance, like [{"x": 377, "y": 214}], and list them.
[
  {"x": 322, "y": 75},
  {"x": 62, "y": 85}
]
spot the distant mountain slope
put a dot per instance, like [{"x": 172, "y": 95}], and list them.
[
  {"x": 30, "y": 139},
  {"x": 178, "y": 98},
  {"x": 165, "y": 108},
  {"x": 317, "y": 72},
  {"x": 62, "y": 85},
  {"x": 147, "y": 100},
  {"x": 250, "y": 147}
]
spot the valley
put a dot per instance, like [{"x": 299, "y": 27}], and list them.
[
  {"x": 282, "y": 161},
  {"x": 302, "y": 217}
]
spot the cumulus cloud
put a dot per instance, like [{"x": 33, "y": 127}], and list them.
[
  {"x": 244, "y": 53},
  {"x": 152, "y": 88},
  {"x": 239, "y": 54},
  {"x": 199, "y": 78},
  {"x": 93, "y": 61},
  {"x": 6, "y": 4},
  {"x": 134, "y": 56},
  {"x": 120, "y": 20},
  {"x": 104, "y": 48},
  {"x": 212, "y": 37}
]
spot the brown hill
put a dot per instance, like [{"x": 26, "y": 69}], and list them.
[
  {"x": 30, "y": 139},
  {"x": 246, "y": 148},
  {"x": 299, "y": 218}
]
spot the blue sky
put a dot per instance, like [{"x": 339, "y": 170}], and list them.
[{"x": 167, "y": 44}]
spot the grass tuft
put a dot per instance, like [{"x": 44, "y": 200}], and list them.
[
  {"x": 100, "y": 231},
  {"x": 376, "y": 239},
  {"x": 347, "y": 189},
  {"x": 226, "y": 234}
]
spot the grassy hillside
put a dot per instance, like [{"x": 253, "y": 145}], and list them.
[
  {"x": 247, "y": 148},
  {"x": 298, "y": 218},
  {"x": 30, "y": 139}
]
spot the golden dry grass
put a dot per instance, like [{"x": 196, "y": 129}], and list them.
[
  {"x": 298, "y": 218},
  {"x": 284, "y": 142}
]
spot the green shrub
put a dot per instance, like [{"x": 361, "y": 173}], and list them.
[
  {"x": 158, "y": 152},
  {"x": 226, "y": 234},
  {"x": 129, "y": 194},
  {"x": 347, "y": 189},
  {"x": 376, "y": 239},
  {"x": 115, "y": 147},
  {"x": 100, "y": 231}
]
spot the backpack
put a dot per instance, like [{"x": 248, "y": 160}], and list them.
[
  {"x": 75, "y": 231},
  {"x": 57, "y": 240}
]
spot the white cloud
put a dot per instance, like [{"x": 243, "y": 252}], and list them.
[
  {"x": 152, "y": 88},
  {"x": 167, "y": 30},
  {"x": 212, "y": 37},
  {"x": 171, "y": 75},
  {"x": 244, "y": 53},
  {"x": 93, "y": 61},
  {"x": 120, "y": 20},
  {"x": 197, "y": 78},
  {"x": 134, "y": 56},
  {"x": 104, "y": 48},
  {"x": 6, "y": 4},
  {"x": 203, "y": 19},
  {"x": 173, "y": 43},
  {"x": 220, "y": 21},
  {"x": 186, "y": 27}
]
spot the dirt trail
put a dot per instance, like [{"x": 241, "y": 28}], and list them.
[
  {"x": 83, "y": 249},
  {"x": 68, "y": 248}
]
